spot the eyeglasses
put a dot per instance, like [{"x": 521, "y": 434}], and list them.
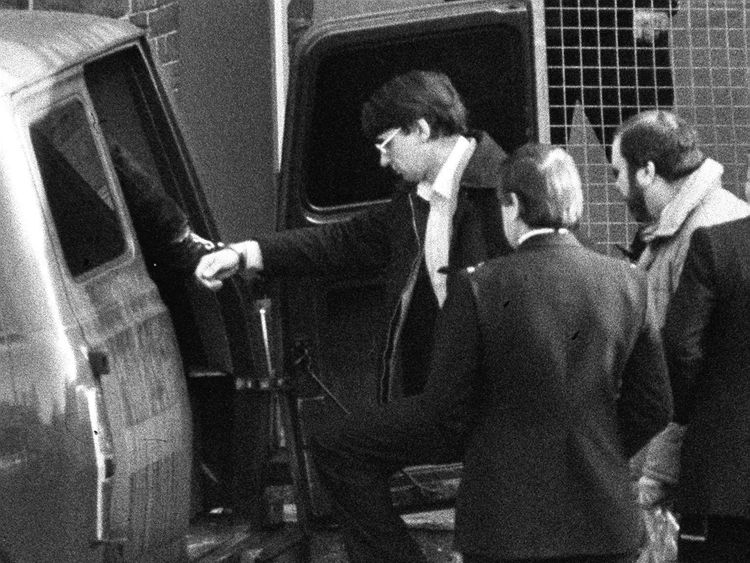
[{"x": 382, "y": 146}]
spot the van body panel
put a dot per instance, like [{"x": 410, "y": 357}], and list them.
[
  {"x": 54, "y": 476},
  {"x": 47, "y": 462},
  {"x": 330, "y": 172},
  {"x": 97, "y": 454},
  {"x": 122, "y": 319}
]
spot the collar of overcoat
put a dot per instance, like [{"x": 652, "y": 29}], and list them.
[{"x": 695, "y": 187}]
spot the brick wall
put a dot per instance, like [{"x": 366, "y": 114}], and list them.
[{"x": 160, "y": 17}]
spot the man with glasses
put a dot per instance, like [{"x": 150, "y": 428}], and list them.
[{"x": 444, "y": 216}]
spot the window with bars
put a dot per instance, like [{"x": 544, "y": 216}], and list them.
[{"x": 609, "y": 59}]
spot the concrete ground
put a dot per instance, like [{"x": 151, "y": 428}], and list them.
[
  {"x": 433, "y": 530},
  {"x": 224, "y": 540}
]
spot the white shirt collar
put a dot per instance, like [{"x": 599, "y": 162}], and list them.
[
  {"x": 443, "y": 184},
  {"x": 536, "y": 232}
]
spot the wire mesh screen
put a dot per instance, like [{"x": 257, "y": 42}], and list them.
[{"x": 609, "y": 59}]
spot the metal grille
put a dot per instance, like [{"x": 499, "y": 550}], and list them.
[{"x": 693, "y": 57}]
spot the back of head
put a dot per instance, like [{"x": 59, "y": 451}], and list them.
[
  {"x": 663, "y": 138},
  {"x": 546, "y": 180},
  {"x": 418, "y": 94}
]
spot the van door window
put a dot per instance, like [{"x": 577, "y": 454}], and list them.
[
  {"x": 132, "y": 114},
  {"x": 132, "y": 118},
  {"x": 77, "y": 189}
]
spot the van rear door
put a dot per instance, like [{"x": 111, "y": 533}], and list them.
[
  {"x": 143, "y": 506},
  {"x": 330, "y": 172}
]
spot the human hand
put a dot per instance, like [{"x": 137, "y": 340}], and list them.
[
  {"x": 649, "y": 25},
  {"x": 214, "y": 268}
]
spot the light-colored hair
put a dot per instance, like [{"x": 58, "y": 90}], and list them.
[{"x": 546, "y": 180}]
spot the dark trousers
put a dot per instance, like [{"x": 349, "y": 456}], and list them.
[
  {"x": 617, "y": 558},
  {"x": 355, "y": 460},
  {"x": 714, "y": 540}
]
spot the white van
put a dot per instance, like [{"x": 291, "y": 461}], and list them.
[{"x": 95, "y": 440}]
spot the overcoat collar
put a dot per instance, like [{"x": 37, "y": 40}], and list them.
[
  {"x": 483, "y": 171},
  {"x": 695, "y": 187}
]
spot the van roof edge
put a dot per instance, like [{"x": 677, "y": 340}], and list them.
[{"x": 37, "y": 44}]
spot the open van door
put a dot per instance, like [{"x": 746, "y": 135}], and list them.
[{"x": 493, "y": 51}]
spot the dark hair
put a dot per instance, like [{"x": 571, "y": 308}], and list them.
[
  {"x": 546, "y": 180},
  {"x": 403, "y": 100},
  {"x": 663, "y": 138}
]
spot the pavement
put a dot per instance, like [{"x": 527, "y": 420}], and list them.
[
  {"x": 433, "y": 530},
  {"x": 423, "y": 494},
  {"x": 225, "y": 540}
]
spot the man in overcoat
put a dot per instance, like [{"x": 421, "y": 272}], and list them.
[
  {"x": 707, "y": 340},
  {"x": 672, "y": 189},
  {"x": 442, "y": 216},
  {"x": 551, "y": 357}
]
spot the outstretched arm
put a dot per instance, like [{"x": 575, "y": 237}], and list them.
[
  {"x": 357, "y": 247},
  {"x": 162, "y": 227}
]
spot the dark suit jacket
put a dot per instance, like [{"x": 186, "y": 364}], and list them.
[
  {"x": 551, "y": 356},
  {"x": 707, "y": 338}
]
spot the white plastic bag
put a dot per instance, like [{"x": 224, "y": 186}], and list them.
[{"x": 662, "y": 530}]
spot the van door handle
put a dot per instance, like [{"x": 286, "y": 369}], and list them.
[
  {"x": 104, "y": 452},
  {"x": 99, "y": 362}
]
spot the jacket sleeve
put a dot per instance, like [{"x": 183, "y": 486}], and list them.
[
  {"x": 162, "y": 227},
  {"x": 355, "y": 247},
  {"x": 645, "y": 404},
  {"x": 687, "y": 318}
]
